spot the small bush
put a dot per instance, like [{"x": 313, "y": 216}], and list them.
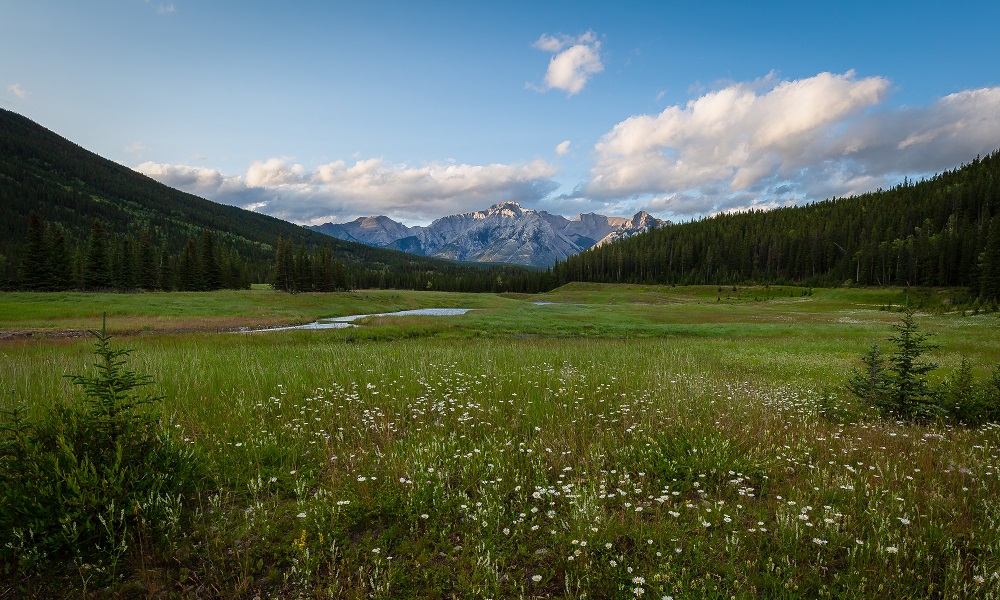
[
  {"x": 870, "y": 383},
  {"x": 970, "y": 402},
  {"x": 898, "y": 387},
  {"x": 81, "y": 482}
]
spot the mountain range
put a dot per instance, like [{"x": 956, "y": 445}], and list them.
[{"x": 503, "y": 233}]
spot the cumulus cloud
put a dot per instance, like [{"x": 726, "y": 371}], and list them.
[
  {"x": 17, "y": 90},
  {"x": 774, "y": 142},
  {"x": 340, "y": 191},
  {"x": 575, "y": 60},
  {"x": 196, "y": 180},
  {"x": 275, "y": 172},
  {"x": 563, "y": 148}
]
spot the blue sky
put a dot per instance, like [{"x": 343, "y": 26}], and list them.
[{"x": 326, "y": 111}]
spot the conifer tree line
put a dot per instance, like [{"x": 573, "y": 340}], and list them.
[
  {"x": 52, "y": 260},
  {"x": 940, "y": 232},
  {"x": 302, "y": 268}
]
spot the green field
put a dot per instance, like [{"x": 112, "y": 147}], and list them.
[{"x": 621, "y": 441}]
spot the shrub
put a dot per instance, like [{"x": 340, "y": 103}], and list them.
[
  {"x": 870, "y": 383},
  {"x": 970, "y": 402},
  {"x": 82, "y": 481},
  {"x": 898, "y": 386}
]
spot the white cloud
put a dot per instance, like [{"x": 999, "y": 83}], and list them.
[
  {"x": 340, "y": 191},
  {"x": 773, "y": 142},
  {"x": 549, "y": 43},
  {"x": 163, "y": 8},
  {"x": 756, "y": 144},
  {"x": 197, "y": 180},
  {"x": 275, "y": 172},
  {"x": 575, "y": 61},
  {"x": 136, "y": 146},
  {"x": 17, "y": 90}
]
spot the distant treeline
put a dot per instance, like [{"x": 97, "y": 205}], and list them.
[
  {"x": 303, "y": 268},
  {"x": 940, "y": 232},
  {"x": 54, "y": 260}
]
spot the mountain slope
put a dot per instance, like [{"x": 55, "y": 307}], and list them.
[
  {"x": 641, "y": 222},
  {"x": 69, "y": 187},
  {"x": 941, "y": 232},
  {"x": 374, "y": 231},
  {"x": 503, "y": 233}
]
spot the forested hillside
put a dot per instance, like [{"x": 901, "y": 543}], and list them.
[
  {"x": 70, "y": 219},
  {"x": 101, "y": 225},
  {"x": 940, "y": 232}
]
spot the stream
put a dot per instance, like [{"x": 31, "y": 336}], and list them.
[{"x": 343, "y": 322}]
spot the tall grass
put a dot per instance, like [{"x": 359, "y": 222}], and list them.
[{"x": 592, "y": 456}]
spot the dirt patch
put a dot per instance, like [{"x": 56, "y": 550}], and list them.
[
  {"x": 58, "y": 334},
  {"x": 27, "y": 333}
]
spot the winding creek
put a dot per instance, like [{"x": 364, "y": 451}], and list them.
[{"x": 348, "y": 321}]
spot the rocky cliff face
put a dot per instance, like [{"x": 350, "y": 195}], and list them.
[
  {"x": 641, "y": 221},
  {"x": 503, "y": 233},
  {"x": 374, "y": 231}
]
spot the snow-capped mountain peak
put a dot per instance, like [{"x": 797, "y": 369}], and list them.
[
  {"x": 505, "y": 232},
  {"x": 509, "y": 209}
]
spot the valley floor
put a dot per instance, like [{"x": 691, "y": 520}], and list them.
[{"x": 593, "y": 442}]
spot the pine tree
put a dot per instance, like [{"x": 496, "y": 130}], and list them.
[
  {"x": 188, "y": 269},
  {"x": 146, "y": 263},
  {"x": 97, "y": 267},
  {"x": 168, "y": 274},
  {"x": 125, "y": 265},
  {"x": 303, "y": 270},
  {"x": 910, "y": 395},
  {"x": 323, "y": 271},
  {"x": 211, "y": 272},
  {"x": 989, "y": 263},
  {"x": 284, "y": 266},
  {"x": 339, "y": 275},
  {"x": 870, "y": 382},
  {"x": 60, "y": 262},
  {"x": 233, "y": 274},
  {"x": 34, "y": 273},
  {"x": 79, "y": 265}
]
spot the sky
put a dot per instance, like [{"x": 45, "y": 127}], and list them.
[{"x": 320, "y": 112}]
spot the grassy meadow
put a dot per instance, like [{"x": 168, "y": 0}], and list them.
[{"x": 594, "y": 442}]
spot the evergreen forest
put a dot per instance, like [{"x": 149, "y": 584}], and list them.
[{"x": 944, "y": 231}]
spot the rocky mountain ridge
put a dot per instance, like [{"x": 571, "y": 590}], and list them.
[{"x": 503, "y": 233}]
